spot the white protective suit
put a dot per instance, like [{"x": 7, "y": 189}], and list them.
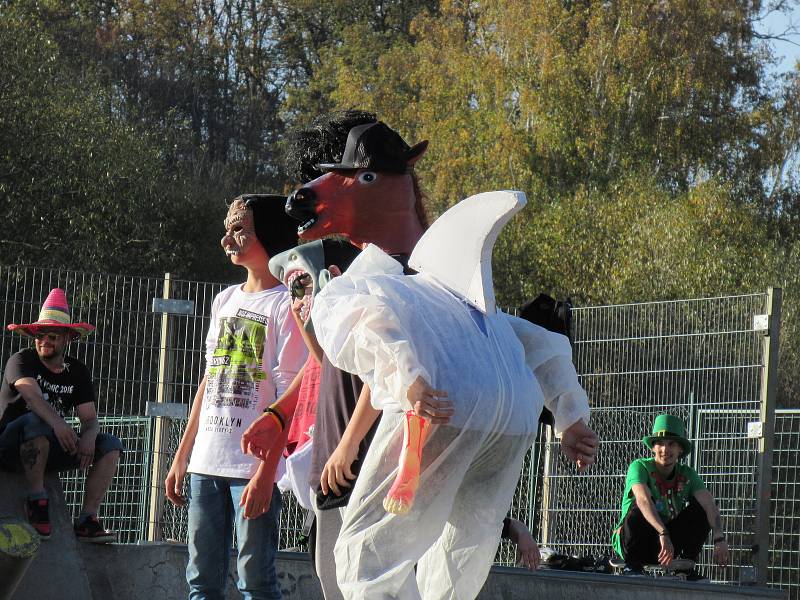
[{"x": 497, "y": 369}]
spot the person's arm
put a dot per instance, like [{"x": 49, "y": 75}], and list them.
[
  {"x": 90, "y": 427},
  {"x": 337, "y": 471},
  {"x": 287, "y": 402},
  {"x": 263, "y": 434},
  {"x": 549, "y": 356},
  {"x": 290, "y": 349},
  {"x": 706, "y": 500},
  {"x": 527, "y": 548},
  {"x": 32, "y": 394},
  {"x": 174, "y": 481},
  {"x": 257, "y": 494},
  {"x": 645, "y": 503},
  {"x": 308, "y": 336}
]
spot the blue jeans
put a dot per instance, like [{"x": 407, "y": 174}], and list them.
[
  {"x": 213, "y": 512},
  {"x": 30, "y": 426}
]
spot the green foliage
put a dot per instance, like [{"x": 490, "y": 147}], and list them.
[
  {"x": 560, "y": 95},
  {"x": 79, "y": 186},
  {"x": 637, "y": 241}
]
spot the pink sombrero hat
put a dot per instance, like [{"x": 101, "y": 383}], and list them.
[{"x": 54, "y": 313}]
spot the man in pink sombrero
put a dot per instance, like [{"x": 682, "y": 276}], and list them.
[{"x": 40, "y": 386}]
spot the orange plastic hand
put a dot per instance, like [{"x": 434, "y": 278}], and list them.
[{"x": 401, "y": 495}]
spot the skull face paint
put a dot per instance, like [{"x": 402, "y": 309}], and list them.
[{"x": 240, "y": 232}]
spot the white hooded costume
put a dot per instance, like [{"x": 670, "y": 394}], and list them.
[{"x": 498, "y": 371}]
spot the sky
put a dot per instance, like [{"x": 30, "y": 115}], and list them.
[{"x": 788, "y": 53}]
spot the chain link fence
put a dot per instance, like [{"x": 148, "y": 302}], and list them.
[
  {"x": 784, "y": 524},
  {"x": 699, "y": 359}
]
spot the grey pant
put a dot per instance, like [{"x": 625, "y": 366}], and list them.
[{"x": 329, "y": 522}]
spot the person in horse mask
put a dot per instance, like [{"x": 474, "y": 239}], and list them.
[{"x": 416, "y": 341}]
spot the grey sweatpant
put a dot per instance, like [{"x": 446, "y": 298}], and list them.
[{"x": 329, "y": 522}]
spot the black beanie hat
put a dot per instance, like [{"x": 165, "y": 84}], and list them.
[{"x": 276, "y": 231}]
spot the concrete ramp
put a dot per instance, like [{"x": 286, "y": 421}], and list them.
[{"x": 57, "y": 571}]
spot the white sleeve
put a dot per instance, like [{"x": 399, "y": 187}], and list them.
[
  {"x": 360, "y": 333},
  {"x": 290, "y": 349},
  {"x": 549, "y": 356}
]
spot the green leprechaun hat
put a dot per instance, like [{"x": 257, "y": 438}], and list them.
[{"x": 668, "y": 427}]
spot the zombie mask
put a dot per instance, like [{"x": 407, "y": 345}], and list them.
[
  {"x": 306, "y": 269},
  {"x": 240, "y": 230}
]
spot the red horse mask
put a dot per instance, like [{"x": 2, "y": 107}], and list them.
[{"x": 364, "y": 205}]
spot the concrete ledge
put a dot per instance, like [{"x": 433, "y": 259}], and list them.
[
  {"x": 158, "y": 571},
  {"x": 505, "y": 583},
  {"x": 131, "y": 572},
  {"x": 64, "y": 568}
]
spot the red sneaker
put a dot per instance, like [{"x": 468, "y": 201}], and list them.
[
  {"x": 38, "y": 514},
  {"x": 90, "y": 530}
]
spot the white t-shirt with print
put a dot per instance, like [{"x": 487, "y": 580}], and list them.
[{"x": 253, "y": 352}]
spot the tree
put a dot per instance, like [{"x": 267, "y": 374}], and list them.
[
  {"x": 79, "y": 186},
  {"x": 576, "y": 94}
]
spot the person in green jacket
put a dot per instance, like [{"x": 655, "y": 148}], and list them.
[{"x": 667, "y": 512}]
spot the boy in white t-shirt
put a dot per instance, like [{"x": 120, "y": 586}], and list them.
[{"x": 253, "y": 351}]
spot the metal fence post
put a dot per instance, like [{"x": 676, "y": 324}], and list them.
[
  {"x": 694, "y": 426},
  {"x": 546, "y": 487},
  {"x": 769, "y": 380},
  {"x": 534, "y": 516},
  {"x": 159, "y": 464}
]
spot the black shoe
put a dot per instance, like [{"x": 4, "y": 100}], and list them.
[
  {"x": 696, "y": 575},
  {"x": 681, "y": 565},
  {"x": 90, "y": 530},
  {"x": 603, "y": 565},
  {"x": 38, "y": 513},
  {"x": 555, "y": 561}
]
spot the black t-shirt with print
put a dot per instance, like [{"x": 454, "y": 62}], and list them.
[{"x": 64, "y": 391}]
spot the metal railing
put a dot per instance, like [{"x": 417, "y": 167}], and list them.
[{"x": 700, "y": 359}]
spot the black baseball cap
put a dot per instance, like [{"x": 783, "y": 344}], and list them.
[{"x": 378, "y": 147}]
